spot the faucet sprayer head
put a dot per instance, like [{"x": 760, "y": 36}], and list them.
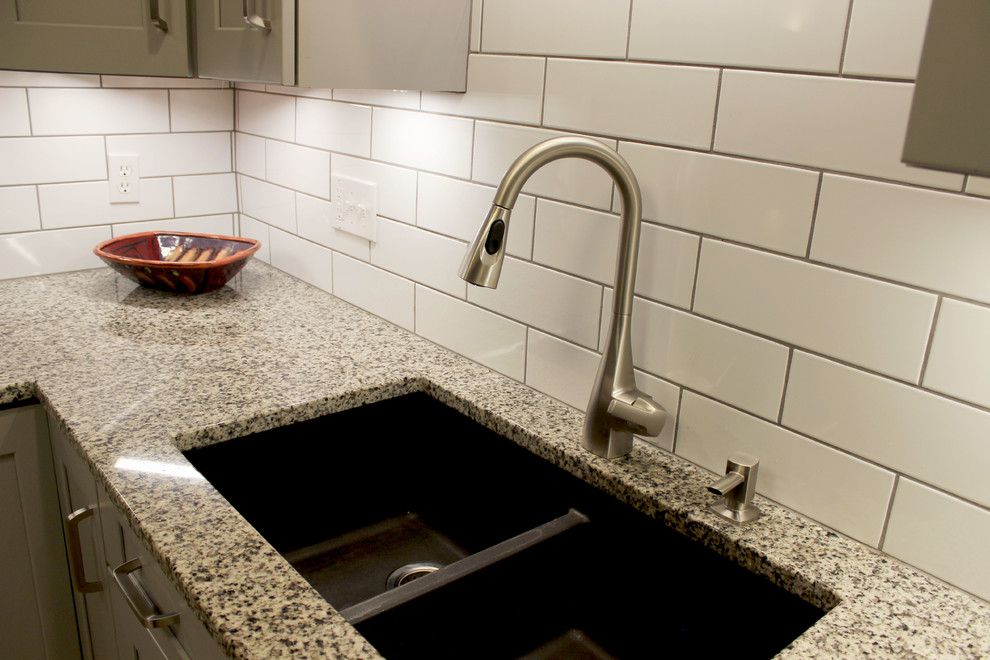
[{"x": 482, "y": 263}]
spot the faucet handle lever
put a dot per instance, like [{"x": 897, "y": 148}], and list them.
[{"x": 644, "y": 415}]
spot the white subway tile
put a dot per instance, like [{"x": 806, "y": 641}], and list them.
[
  {"x": 205, "y": 194},
  {"x": 381, "y": 293},
  {"x": 496, "y": 147},
  {"x": 475, "y": 38},
  {"x": 885, "y": 38},
  {"x": 204, "y": 224},
  {"x": 934, "y": 240},
  {"x": 651, "y": 102},
  {"x": 44, "y": 252},
  {"x": 390, "y": 98},
  {"x": 941, "y": 535},
  {"x": 918, "y": 433},
  {"x": 563, "y": 370},
  {"x": 298, "y": 257},
  {"x": 98, "y": 111},
  {"x": 14, "y": 113},
  {"x": 202, "y": 109},
  {"x": 159, "y": 82},
  {"x": 268, "y": 203},
  {"x": 51, "y": 160},
  {"x": 396, "y": 185},
  {"x": 427, "y": 258},
  {"x": 576, "y": 240},
  {"x": 870, "y": 323},
  {"x": 756, "y": 203},
  {"x": 487, "y": 338},
  {"x": 667, "y": 262},
  {"x": 19, "y": 209},
  {"x": 804, "y": 35},
  {"x": 315, "y": 219},
  {"x": 794, "y": 471},
  {"x": 842, "y": 124},
  {"x": 341, "y": 127},
  {"x": 175, "y": 154},
  {"x": 730, "y": 365},
  {"x": 37, "y": 79},
  {"x": 581, "y": 28},
  {"x": 554, "y": 302},
  {"x": 251, "y": 228},
  {"x": 427, "y": 142},
  {"x": 498, "y": 87},
  {"x": 313, "y": 93},
  {"x": 457, "y": 209},
  {"x": 300, "y": 168},
  {"x": 959, "y": 360},
  {"x": 978, "y": 186},
  {"x": 267, "y": 115},
  {"x": 82, "y": 204},
  {"x": 251, "y": 87},
  {"x": 250, "y": 155}
]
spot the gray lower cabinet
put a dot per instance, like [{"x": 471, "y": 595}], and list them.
[
  {"x": 126, "y": 37},
  {"x": 36, "y": 613}
]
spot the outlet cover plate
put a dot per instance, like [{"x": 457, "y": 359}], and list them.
[
  {"x": 124, "y": 178},
  {"x": 355, "y": 206}
]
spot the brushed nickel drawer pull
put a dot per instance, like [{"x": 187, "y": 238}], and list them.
[
  {"x": 139, "y": 600},
  {"x": 76, "y": 566}
]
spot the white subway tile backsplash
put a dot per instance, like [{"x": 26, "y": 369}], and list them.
[
  {"x": 205, "y": 194},
  {"x": 756, "y": 203},
  {"x": 959, "y": 360},
  {"x": 82, "y": 204},
  {"x": 457, "y": 209},
  {"x": 51, "y": 160},
  {"x": 870, "y": 323},
  {"x": 175, "y": 154},
  {"x": 159, "y": 82},
  {"x": 14, "y": 118},
  {"x": 554, "y": 302},
  {"x": 800, "y": 35},
  {"x": 396, "y": 185},
  {"x": 576, "y": 240},
  {"x": 394, "y": 98},
  {"x": 98, "y": 111},
  {"x": 19, "y": 209},
  {"x": 941, "y": 535},
  {"x": 222, "y": 225},
  {"x": 266, "y": 115},
  {"x": 930, "y": 239},
  {"x": 249, "y": 153},
  {"x": 251, "y": 228},
  {"x": 334, "y": 126},
  {"x": 496, "y": 147},
  {"x": 797, "y": 472},
  {"x": 667, "y": 262},
  {"x": 427, "y": 258},
  {"x": 202, "y": 109},
  {"x": 854, "y": 126},
  {"x": 667, "y": 104},
  {"x": 427, "y": 142},
  {"x": 37, "y": 79},
  {"x": 492, "y": 340},
  {"x": 917, "y": 433},
  {"x": 498, "y": 87},
  {"x": 269, "y": 203},
  {"x": 885, "y": 38},
  {"x": 580, "y": 28},
  {"x": 300, "y": 168},
  {"x": 976, "y": 185},
  {"x": 44, "y": 252},
  {"x": 300, "y": 258},
  {"x": 474, "y": 43},
  {"x": 563, "y": 370},
  {"x": 315, "y": 220},
  {"x": 733, "y": 366},
  {"x": 381, "y": 293}
]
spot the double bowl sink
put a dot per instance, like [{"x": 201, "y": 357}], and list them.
[{"x": 438, "y": 538}]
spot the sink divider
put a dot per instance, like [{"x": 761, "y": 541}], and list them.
[{"x": 384, "y": 602}]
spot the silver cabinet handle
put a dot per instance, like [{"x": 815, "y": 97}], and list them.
[
  {"x": 156, "y": 16},
  {"x": 252, "y": 18},
  {"x": 141, "y": 604},
  {"x": 76, "y": 566}
]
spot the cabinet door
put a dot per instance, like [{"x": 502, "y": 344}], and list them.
[
  {"x": 130, "y": 37},
  {"x": 36, "y": 614},
  {"x": 246, "y": 40},
  {"x": 81, "y": 515}
]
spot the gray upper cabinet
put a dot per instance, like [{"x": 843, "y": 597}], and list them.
[
  {"x": 126, "y": 37},
  {"x": 353, "y": 44}
]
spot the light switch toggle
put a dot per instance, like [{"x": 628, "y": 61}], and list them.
[{"x": 355, "y": 206}]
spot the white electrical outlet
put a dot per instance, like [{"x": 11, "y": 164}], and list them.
[
  {"x": 125, "y": 178},
  {"x": 355, "y": 206}
]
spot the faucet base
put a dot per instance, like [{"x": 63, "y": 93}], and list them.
[{"x": 743, "y": 516}]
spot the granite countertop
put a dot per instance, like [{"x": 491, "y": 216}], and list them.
[{"x": 133, "y": 373}]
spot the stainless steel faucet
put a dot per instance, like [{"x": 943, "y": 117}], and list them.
[{"x": 617, "y": 408}]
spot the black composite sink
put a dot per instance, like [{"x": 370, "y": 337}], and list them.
[{"x": 378, "y": 491}]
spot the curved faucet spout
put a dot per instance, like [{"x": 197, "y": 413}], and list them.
[{"x": 617, "y": 408}]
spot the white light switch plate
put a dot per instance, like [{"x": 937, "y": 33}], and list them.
[
  {"x": 355, "y": 206},
  {"x": 125, "y": 178}
]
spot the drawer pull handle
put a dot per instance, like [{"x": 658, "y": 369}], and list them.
[
  {"x": 139, "y": 600},
  {"x": 253, "y": 20},
  {"x": 76, "y": 566},
  {"x": 156, "y": 17}
]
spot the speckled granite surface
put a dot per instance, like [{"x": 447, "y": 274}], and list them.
[{"x": 131, "y": 373}]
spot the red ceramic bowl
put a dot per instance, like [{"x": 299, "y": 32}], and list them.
[{"x": 177, "y": 261}]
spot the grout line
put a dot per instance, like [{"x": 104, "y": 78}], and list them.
[
  {"x": 629, "y": 29},
  {"x": 930, "y": 343},
  {"x": 718, "y": 102},
  {"x": 697, "y": 273},
  {"x": 787, "y": 380},
  {"x": 677, "y": 421},
  {"x": 845, "y": 38},
  {"x": 814, "y": 216},
  {"x": 889, "y": 510}
]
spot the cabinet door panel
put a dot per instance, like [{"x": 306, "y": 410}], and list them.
[{"x": 230, "y": 49}]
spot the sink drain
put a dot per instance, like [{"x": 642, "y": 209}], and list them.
[{"x": 410, "y": 572}]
